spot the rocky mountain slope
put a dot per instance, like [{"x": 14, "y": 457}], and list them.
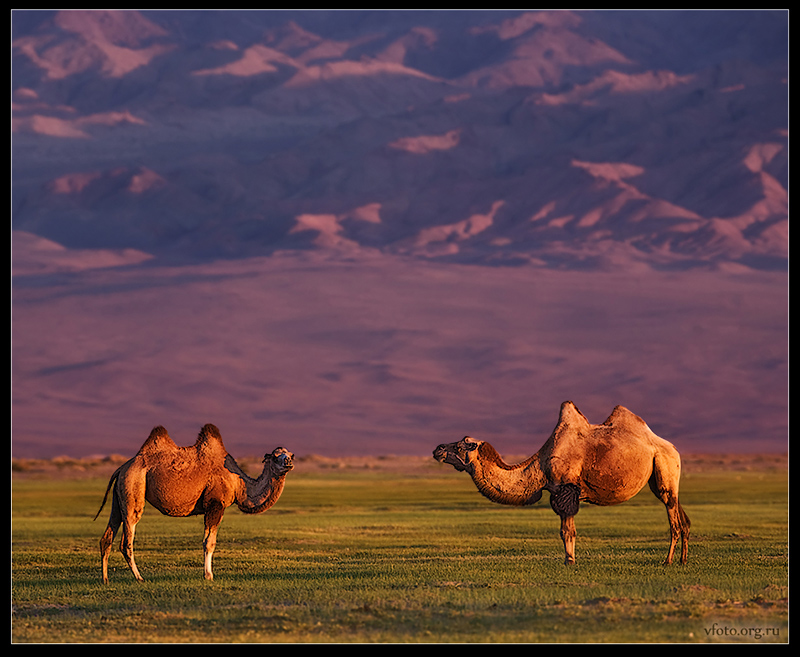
[{"x": 560, "y": 139}]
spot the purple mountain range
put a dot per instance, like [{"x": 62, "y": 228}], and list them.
[{"x": 370, "y": 231}]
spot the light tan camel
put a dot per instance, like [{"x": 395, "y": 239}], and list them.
[
  {"x": 187, "y": 481},
  {"x": 601, "y": 464}
]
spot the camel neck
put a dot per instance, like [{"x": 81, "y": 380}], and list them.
[
  {"x": 517, "y": 484},
  {"x": 260, "y": 494}
]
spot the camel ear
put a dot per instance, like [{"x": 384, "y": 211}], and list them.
[{"x": 470, "y": 443}]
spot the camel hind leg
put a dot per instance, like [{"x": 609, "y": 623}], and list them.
[
  {"x": 126, "y": 545},
  {"x": 127, "y": 490},
  {"x": 127, "y": 519},
  {"x": 664, "y": 482},
  {"x": 114, "y": 522},
  {"x": 685, "y": 525},
  {"x": 129, "y": 494}
]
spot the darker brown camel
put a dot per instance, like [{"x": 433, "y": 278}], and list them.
[
  {"x": 601, "y": 464},
  {"x": 185, "y": 481}
]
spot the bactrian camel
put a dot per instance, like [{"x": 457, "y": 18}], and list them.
[
  {"x": 185, "y": 481},
  {"x": 602, "y": 464}
]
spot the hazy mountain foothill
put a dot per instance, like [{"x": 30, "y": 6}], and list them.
[{"x": 371, "y": 231}]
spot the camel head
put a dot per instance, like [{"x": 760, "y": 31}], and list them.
[
  {"x": 461, "y": 455},
  {"x": 281, "y": 459}
]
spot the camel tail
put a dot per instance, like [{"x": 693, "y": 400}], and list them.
[{"x": 110, "y": 484}]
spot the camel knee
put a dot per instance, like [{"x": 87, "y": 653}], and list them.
[
  {"x": 126, "y": 544},
  {"x": 686, "y": 524},
  {"x": 105, "y": 550},
  {"x": 106, "y": 540},
  {"x": 126, "y": 547},
  {"x": 127, "y": 552}
]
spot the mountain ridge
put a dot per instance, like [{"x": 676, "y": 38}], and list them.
[{"x": 434, "y": 118}]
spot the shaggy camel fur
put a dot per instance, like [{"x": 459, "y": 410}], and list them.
[
  {"x": 601, "y": 464},
  {"x": 187, "y": 481}
]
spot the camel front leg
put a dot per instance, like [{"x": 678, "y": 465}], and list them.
[
  {"x": 213, "y": 517},
  {"x": 568, "y": 535},
  {"x": 565, "y": 501}
]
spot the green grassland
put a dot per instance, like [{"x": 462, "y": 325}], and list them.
[{"x": 380, "y": 555}]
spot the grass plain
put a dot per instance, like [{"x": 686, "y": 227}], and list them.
[{"x": 385, "y": 553}]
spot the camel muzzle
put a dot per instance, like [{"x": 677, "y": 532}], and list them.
[
  {"x": 282, "y": 458},
  {"x": 445, "y": 454}
]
